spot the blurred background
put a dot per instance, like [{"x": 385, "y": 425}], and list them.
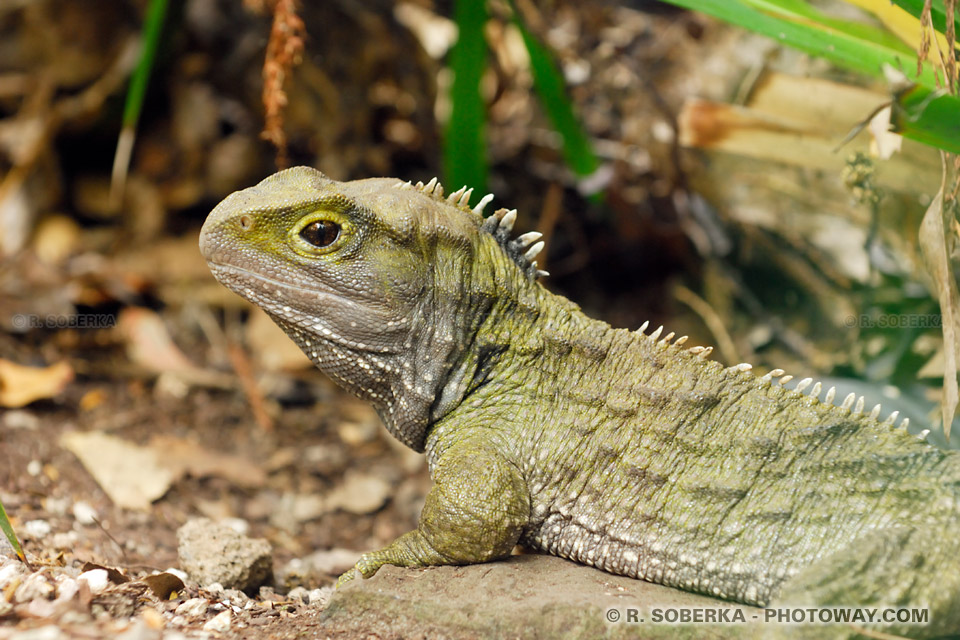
[{"x": 684, "y": 170}]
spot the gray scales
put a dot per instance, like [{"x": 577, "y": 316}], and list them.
[{"x": 627, "y": 451}]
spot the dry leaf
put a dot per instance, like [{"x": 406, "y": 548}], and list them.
[
  {"x": 799, "y": 121},
  {"x": 936, "y": 255},
  {"x": 164, "y": 585},
  {"x": 149, "y": 343},
  {"x": 132, "y": 476},
  {"x": 19, "y": 385},
  {"x": 360, "y": 493},
  {"x": 184, "y": 457},
  {"x": 885, "y": 142}
]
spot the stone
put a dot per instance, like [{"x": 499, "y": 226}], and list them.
[
  {"x": 523, "y": 597},
  {"x": 211, "y": 552},
  {"x": 219, "y": 623}
]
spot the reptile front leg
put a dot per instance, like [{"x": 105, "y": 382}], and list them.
[{"x": 475, "y": 512}]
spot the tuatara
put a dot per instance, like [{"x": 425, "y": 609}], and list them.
[{"x": 625, "y": 450}]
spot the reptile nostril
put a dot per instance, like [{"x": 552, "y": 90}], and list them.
[{"x": 246, "y": 223}]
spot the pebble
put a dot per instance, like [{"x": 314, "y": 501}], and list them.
[
  {"x": 34, "y": 467},
  {"x": 140, "y": 630},
  {"x": 35, "y": 529},
  {"x": 34, "y": 586},
  {"x": 49, "y": 632},
  {"x": 56, "y": 506},
  {"x": 10, "y": 572},
  {"x": 67, "y": 587},
  {"x": 219, "y": 623},
  {"x": 64, "y": 540},
  {"x": 96, "y": 579},
  {"x": 20, "y": 419},
  {"x": 239, "y": 525},
  {"x": 41, "y": 609},
  {"x": 311, "y": 597},
  {"x": 319, "y": 597},
  {"x": 193, "y": 608},
  {"x": 84, "y": 513},
  {"x": 359, "y": 493},
  {"x": 299, "y": 593}
]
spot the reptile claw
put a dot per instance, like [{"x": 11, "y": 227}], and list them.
[{"x": 348, "y": 576}]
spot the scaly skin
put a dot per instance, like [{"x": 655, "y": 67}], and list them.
[{"x": 617, "y": 449}]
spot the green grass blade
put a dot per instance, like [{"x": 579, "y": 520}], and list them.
[
  {"x": 938, "y": 12},
  {"x": 797, "y": 25},
  {"x": 858, "y": 30},
  {"x": 551, "y": 89},
  {"x": 152, "y": 28},
  {"x": 464, "y": 148},
  {"x": 931, "y": 117},
  {"x": 11, "y": 536}
]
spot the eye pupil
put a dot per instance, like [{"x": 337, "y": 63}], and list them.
[{"x": 321, "y": 233}]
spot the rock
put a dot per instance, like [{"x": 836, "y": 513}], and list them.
[
  {"x": 96, "y": 580},
  {"x": 123, "y": 600},
  {"x": 140, "y": 630},
  {"x": 34, "y": 586},
  {"x": 318, "y": 567},
  {"x": 67, "y": 588},
  {"x": 65, "y": 540},
  {"x": 193, "y": 608},
  {"x": 21, "y": 419},
  {"x": 48, "y": 632},
  {"x": 10, "y": 570},
  {"x": 84, "y": 513},
  {"x": 299, "y": 593},
  {"x": 319, "y": 597},
  {"x": 360, "y": 493},
  {"x": 211, "y": 552},
  {"x": 311, "y": 597},
  {"x": 39, "y": 608},
  {"x": 219, "y": 623},
  {"x": 35, "y": 529},
  {"x": 523, "y": 597}
]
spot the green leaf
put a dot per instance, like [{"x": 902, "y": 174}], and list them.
[
  {"x": 938, "y": 12},
  {"x": 551, "y": 89},
  {"x": 928, "y": 116},
  {"x": 796, "y": 24},
  {"x": 465, "y": 149},
  {"x": 11, "y": 536}
]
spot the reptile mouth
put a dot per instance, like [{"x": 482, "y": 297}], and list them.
[
  {"x": 245, "y": 276},
  {"x": 246, "y": 273}
]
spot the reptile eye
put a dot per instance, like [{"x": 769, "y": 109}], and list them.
[{"x": 321, "y": 233}]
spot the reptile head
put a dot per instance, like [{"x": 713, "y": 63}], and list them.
[{"x": 366, "y": 276}]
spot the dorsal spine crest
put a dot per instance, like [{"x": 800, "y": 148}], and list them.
[{"x": 523, "y": 249}]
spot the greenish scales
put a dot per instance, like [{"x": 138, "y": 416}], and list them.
[{"x": 627, "y": 451}]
